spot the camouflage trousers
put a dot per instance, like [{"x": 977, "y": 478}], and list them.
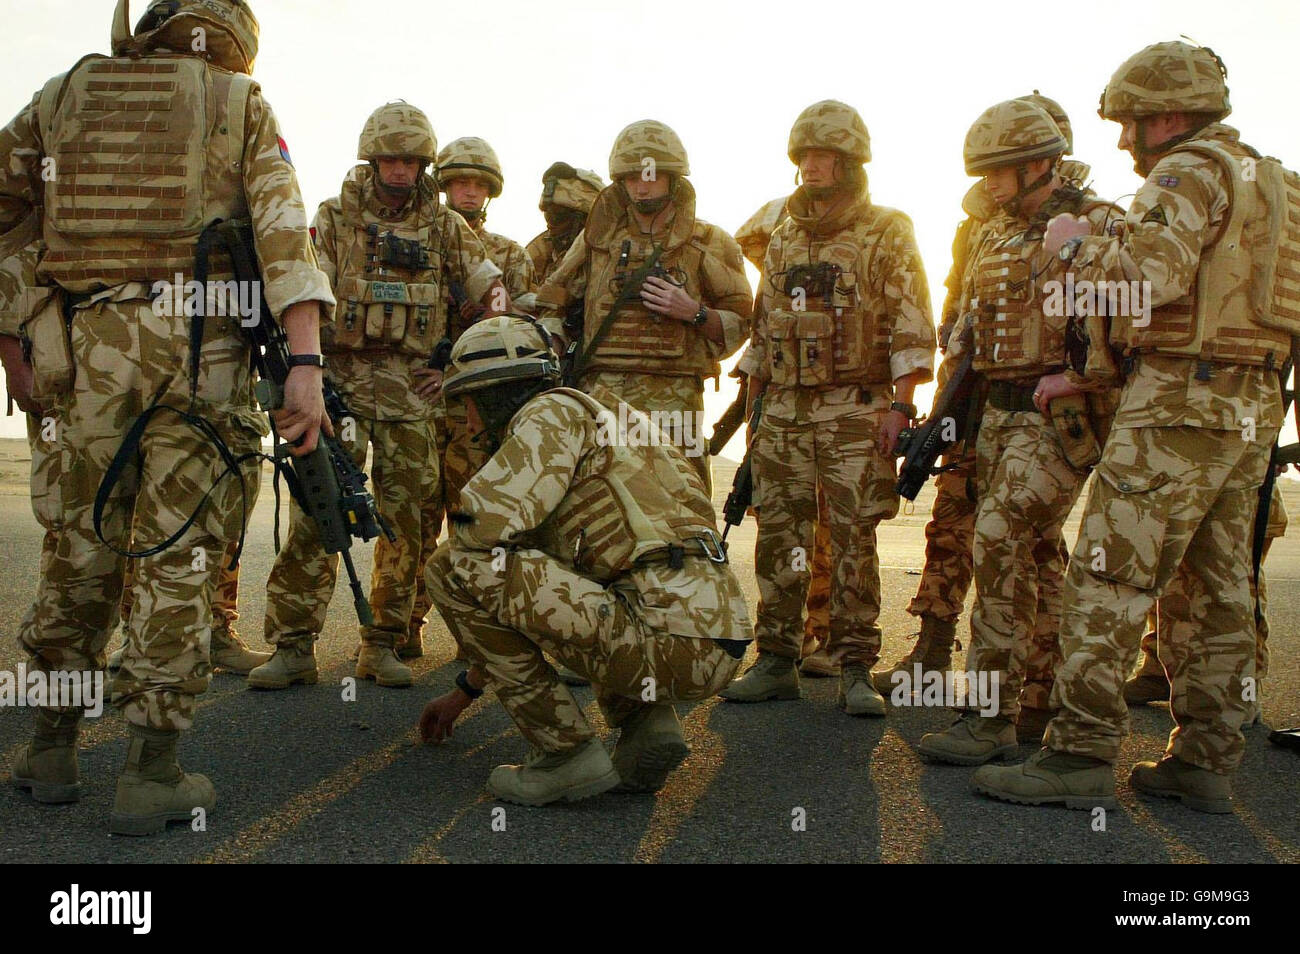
[
  {"x": 404, "y": 474},
  {"x": 817, "y": 622},
  {"x": 949, "y": 534},
  {"x": 794, "y": 462},
  {"x": 535, "y": 604},
  {"x": 124, "y": 355},
  {"x": 225, "y": 600},
  {"x": 676, "y": 402},
  {"x": 1026, "y": 490},
  {"x": 1166, "y": 500},
  {"x": 1174, "y": 608}
]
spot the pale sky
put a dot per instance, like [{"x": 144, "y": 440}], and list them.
[{"x": 557, "y": 79}]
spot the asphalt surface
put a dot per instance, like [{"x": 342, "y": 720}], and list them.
[{"x": 303, "y": 776}]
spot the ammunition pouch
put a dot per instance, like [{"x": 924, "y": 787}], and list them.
[
  {"x": 47, "y": 345},
  {"x": 1072, "y": 419}
]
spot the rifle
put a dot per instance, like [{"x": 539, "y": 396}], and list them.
[
  {"x": 742, "y": 487},
  {"x": 727, "y": 425},
  {"x": 1280, "y": 455},
  {"x": 327, "y": 484},
  {"x": 947, "y": 423},
  {"x": 575, "y": 362}
]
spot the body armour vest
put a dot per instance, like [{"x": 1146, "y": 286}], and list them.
[
  {"x": 391, "y": 287},
  {"x": 1017, "y": 331},
  {"x": 827, "y": 316},
  {"x": 630, "y": 501},
  {"x": 1244, "y": 305},
  {"x": 145, "y": 153}
]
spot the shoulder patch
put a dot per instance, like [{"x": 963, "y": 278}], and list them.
[
  {"x": 1168, "y": 182},
  {"x": 1157, "y": 213},
  {"x": 284, "y": 149}
]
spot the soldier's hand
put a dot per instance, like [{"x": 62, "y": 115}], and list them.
[
  {"x": 18, "y": 375},
  {"x": 665, "y": 298},
  {"x": 1063, "y": 228},
  {"x": 1050, "y": 387},
  {"x": 894, "y": 422},
  {"x": 303, "y": 414},
  {"x": 428, "y": 383},
  {"x": 440, "y": 715}
]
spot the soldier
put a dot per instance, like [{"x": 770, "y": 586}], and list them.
[
  {"x": 1030, "y": 465},
  {"x": 753, "y": 237},
  {"x": 1179, "y": 475},
  {"x": 602, "y": 552},
  {"x": 567, "y": 196},
  {"x": 470, "y": 176},
  {"x": 653, "y": 347},
  {"x": 842, "y": 336},
  {"x": 392, "y": 252},
  {"x": 102, "y": 353}
]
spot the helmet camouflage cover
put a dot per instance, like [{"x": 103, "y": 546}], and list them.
[
  {"x": 470, "y": 157},
  {"x": 230, "y": 31},
  {"x": 500, "y": 350},
  {"x": 830, "y": 124},
  {"x": 1167, "y": 78},
  {"x": 1058, "y": 114},
  {"x": 1010, "y": 134},
  {"x": 566, "y": 187},
  {"x": 648, "y": 138},
  {"x": 397, "y": 129}
]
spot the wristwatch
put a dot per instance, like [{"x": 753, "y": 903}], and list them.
[
  {"x": 907, "y": 410},
  {"x": 1070, "y": 249},
  {"x": 462, "y": 683},
  {"x": 306, "y": 360},
  {"x": 701, "y": 316}
]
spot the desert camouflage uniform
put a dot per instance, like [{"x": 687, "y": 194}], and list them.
[
  {"x": 653, "y": 380},
  {"x": 126, "y": 354},
  {"x": 377, "y": 382},
  {"x": 506, "y": 584},
  {"x": 824, "y": 437},
  {"x": 1176, "y": 485}
]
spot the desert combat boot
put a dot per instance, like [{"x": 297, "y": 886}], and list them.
[
  {"x": 381, "y": 664},
  {"x": 971, "y": 740},
  {"x": 550, "y": 776},
  {"x": 1195, "y": 787},
  {"x": 48, "y": 766},
  {"x": 1050, "y": 777},
  {"x": 771, "y": 677},
  {"x": 858, "y": 697},
  {"x": 232, "y": 654},
  {"x": 286, "y": 666},
  {"x": 933, "y": 650},
  {"x": 650, "y": 745},
  {"x": 152, "y": 790}
]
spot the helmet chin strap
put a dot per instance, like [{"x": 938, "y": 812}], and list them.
[
  {"x": 402, "y": 192},
  {"x": 1013, "y": 204},
  {"x": 1147, "y": 155}
]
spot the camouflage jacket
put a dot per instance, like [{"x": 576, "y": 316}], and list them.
[{"x": 509, "y": 256}]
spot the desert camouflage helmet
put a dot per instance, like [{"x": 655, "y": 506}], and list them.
[
  {"x": 230, "y": 31},
  {"x": 648, "y": 138},
  {"x": 473, "y": 158},
  {"x": 830, "y": 124},
  {"x": 397, "y": 129},
  {"x": 1058, "y": 114},
  {"x": 500, "y": 350},
  {"x": 1011, "y": 134},
  {"x": 1167, "y": 78},
  {"x": 566, "y": 187}
]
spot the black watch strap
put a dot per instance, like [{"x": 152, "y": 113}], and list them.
[
  {"x": 702, "y": 316},
  {"x": 462, "y": 683},
  {"x": 308, "y": 360},
  {"x": 907, "y": 410}
]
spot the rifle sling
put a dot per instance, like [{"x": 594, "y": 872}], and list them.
[{"x": 634, "y": 282}]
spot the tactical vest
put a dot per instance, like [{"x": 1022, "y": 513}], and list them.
[
  {"x": 144, "y": 153},
  {"x": 829, "y": 326},
  {"x": 1245, "y": 303},
  {"x": 638, "y": 339},
  {"x": 627, "y": 505},
  {"x": 390, "y": 284}
]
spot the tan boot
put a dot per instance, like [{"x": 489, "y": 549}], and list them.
[
  {"x": 152, "y": 790},
  {"x": 971, "y": 740},
  {"x": 819, "y": 665},
  {"x": 933, "y": 650},
  {"x": 47, "y": 767},
  {"x": 412, "y": 647},
  {"x": 1050, "y": 777},
  {"x": 771, "y": 677},
  {"x": 381, "y": 664},
  {"x": 1197, "y": 788},
  {"x": 1031, "y": 724},
  {"x": 286, "y": 666},
  {"x": 232, "y": 654},
  {"x": 650, "y": 745},
  {"x": 858, "y": 697},
  {"x": 546, "y": 778}
]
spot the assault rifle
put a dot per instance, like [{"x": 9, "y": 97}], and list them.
[
  {"x": 742, "y": 487},
  {"x": 727, "y": 425},
  {"x": 946, "y": 424},
  {"x": 327, "y": 484}
]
